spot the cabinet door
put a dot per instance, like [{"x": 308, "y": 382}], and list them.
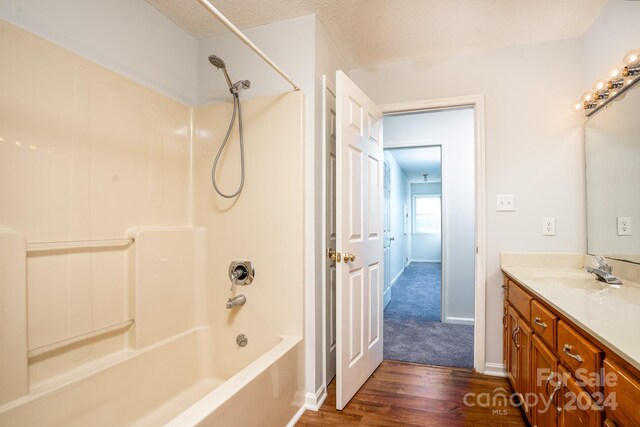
[
  {"x": 505, "y": 335},
  {"x": 545, "y": 380},
  {"x": 524, "y": 335},
  {"x": 576, "y": 406},
  {"x": 512, "y": 363}
]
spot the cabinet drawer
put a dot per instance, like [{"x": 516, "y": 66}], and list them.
[
  {"x": 544, "y": 323},
  {"x": 519, "y": 299},
  {"x": 627, "y": 395},
  {"x": 577, "y": 353}
]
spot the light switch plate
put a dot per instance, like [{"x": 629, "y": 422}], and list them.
[
  {"x": 548, "y": 226},
  {"x": 505, "y": 203},
  {"x": 624, "y": 225}
]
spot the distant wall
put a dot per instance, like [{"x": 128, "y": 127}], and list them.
[
  {"x": 400, "y": 197},
  {"x": 426, "y": 247}
]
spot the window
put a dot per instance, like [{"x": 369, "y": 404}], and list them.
[{"x": 427, "y": 216}]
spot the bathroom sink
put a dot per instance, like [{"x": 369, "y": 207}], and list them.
[{"x": 582, "y": 280}]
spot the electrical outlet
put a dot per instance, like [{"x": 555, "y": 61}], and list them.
[
  {"x": 505, "y": 203},
  {"x": 548, "y": 226},
  {"x": 624, "y": 226}
]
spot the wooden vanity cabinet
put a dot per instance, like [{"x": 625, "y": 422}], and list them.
[
  {"x": 518, "y": 354},
  {"x": 576, "y": 406},
  {"x": 505, "y": 334},
  {"x": 512, "y": 352},
  {"x": 544, "y": 354},
  {"x": 544, "y": 368},
  {"x": 624, "y": 389}
]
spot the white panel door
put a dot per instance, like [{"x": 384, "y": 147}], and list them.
[
  {"x": 386, "y": 185},
  {"x": 359, "y": 227},
  {"x": 330, "y": 230}
]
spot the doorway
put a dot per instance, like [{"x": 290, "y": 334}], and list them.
[
  {"x": 430, "y": 313},
  {"x": 357, "y": 193}
]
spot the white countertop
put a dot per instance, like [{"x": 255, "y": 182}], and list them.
[{"x": 611, "y": 315}]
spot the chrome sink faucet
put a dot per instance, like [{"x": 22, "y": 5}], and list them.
[{"x": 603, "y": 272}]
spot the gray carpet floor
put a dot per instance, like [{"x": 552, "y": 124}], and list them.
[{"x": 412, "y": 328}]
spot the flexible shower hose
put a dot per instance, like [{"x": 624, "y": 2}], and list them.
[{"x": 236, "y": 106}]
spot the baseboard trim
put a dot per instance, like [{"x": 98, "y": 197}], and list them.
[
  {"x": 292, "y": 422},
  {"x": 494, "y": 369},
  {"x": 459, "y": 320},
  {"x": 395, "y": 279},
  {"x": 426, "y": 260},
  {"x": 313, "y": 401}
]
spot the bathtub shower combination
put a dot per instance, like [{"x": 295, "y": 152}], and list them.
[{"x": 131, "y": 292}]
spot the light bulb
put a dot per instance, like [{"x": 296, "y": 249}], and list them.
[
  {"x": 577, "y": 106},
  {"x": 587, "y": 96},
  {"x": 599, "y": 85},
  {"x": 631, "y": 57},
  {"x": 614, "y": 72}
]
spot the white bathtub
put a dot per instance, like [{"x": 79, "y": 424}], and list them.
[{"x": 170, "y": 382}]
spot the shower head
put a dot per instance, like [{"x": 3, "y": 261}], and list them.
[
  {"x": 220, "y": 65},
  {"x": 217, "y": 62}
]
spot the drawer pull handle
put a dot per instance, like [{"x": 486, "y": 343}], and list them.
[
  {"x": 555, "y": 389},
  {"x": 539, "y": 322},
  {"x": 504, "y": 287},
  {"x": 566, "y": 349}
]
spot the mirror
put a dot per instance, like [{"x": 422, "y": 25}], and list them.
[{"x": 612, "y": 152}]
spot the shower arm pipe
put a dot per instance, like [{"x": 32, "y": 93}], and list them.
[{"x": 246, "y": 41}]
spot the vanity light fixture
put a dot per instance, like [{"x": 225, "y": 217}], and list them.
[{"x": 619, "y": 80}]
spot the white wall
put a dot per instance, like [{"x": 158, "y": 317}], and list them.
[
  {"x": 400, "y": 197},
  {"x": 129, "y": 37},
  {"x": 610, "y": 37},
  {"x": 293, "y": 54},
  {"x": 453, "y": 130},
  {"x": 426, "y": 247},
  {"x": 533, "y": 144}
]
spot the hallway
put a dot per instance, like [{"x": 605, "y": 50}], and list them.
[{"x": 412, "y": 328}]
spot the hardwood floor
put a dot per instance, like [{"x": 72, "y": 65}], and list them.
[{"x": 406, "y": 394}]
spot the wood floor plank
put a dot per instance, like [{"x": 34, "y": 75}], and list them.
[{"x": 407, "y": 394}]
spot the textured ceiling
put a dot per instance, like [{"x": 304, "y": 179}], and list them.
[
  {"x": 417, "y": 161},
  {"x": 370, "y": 32}
]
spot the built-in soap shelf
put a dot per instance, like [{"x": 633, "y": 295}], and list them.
[
  {"x": 67, "y": 342},
  {"x": 78, "y": 244}
]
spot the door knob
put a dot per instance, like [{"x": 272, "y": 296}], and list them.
[
  {"x": 349, "y": 257},
  {"x": 334, "y": 255},
  {"x": 392, "y": 238}
]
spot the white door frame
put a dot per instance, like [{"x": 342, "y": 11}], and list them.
[
  {"x": 327, "y": 85},
  {"x": 477, "y": 102}
]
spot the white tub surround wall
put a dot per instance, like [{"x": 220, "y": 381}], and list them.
[
  {"x": 265, "y": 224},
  {"x": 102, "y": 246},
  {"x": 611, "y": 315}
]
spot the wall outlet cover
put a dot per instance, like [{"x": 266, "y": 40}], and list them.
[
  {"x": 505, "y": 203},
  {"x": 548, "y": 226},
  {"x": 624, "y": 225}
]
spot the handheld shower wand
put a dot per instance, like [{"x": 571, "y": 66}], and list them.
[{"x": 234, "y": 88}]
